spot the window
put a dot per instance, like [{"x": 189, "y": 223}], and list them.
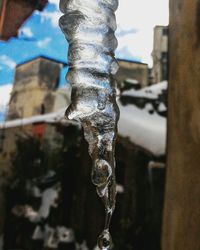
[
  {"x": 165, "y": 31},
  {"x": 164, "y": 56}
]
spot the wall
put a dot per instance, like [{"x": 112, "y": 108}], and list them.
[
  {"x": 34, "y": 85},
  {"x": 133, "y": 70}
]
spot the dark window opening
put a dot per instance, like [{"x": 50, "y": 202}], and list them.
[
  {"x": 165, "y": 31},
  {"x": 42, "y": 109}
]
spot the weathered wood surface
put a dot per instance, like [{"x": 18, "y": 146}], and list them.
[{"x": 181, "y": 222}]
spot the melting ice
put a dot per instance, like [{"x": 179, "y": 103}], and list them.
[{"x": 89, "y": 28}]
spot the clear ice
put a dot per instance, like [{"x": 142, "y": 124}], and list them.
[{"x": 89, "y": 27}]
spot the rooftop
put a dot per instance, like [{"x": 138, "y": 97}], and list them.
[
  {"x": 43, "y": 57},
  {"x": 131, "y": 61}
]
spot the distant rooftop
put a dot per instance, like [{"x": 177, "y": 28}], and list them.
[
  {"x": 161, "y": 27},
  {"x": 65, "y": 63},
  {"x": 44, "y": 57},
  {"x": 131, "y": 61}
]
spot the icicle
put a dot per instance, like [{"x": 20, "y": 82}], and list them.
[{"x": 89, "y": 27}]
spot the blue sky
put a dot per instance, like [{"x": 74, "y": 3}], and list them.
[{"x": 40, "y": 35}]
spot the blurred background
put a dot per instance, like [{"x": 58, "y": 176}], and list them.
[{"x": 47, "y": 200}]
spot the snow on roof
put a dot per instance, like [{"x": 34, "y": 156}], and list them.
[
  {"x": 157, "y": 88},
  {"x": 150, "y": 92},
  {"x": 143, "y": 129},
  {"x": 132, "y": 81},
  {"x": 50, "y": 117}
]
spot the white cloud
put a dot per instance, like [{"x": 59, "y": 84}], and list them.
[
  {"x": 139, "y": 44},
  {"x": 140, "y": 15},
  {"x": 121, "y": 31},
  {"x": 124, "y": 52},
  {"x": 7, "y": 61},
  {"x": 53, "y": 17},
  {"x": 43, "y": 43},
  {"x": 26, "y": 31},
  {"x": 132, "y": 16},
  {"x": 56, "y": 2}
]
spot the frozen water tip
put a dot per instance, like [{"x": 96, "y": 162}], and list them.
[{"x": 105, "y": 241}]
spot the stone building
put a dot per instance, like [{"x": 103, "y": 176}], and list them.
[
  {"x": 160, "y": 54},
  {"x": 34, "y": 88},
  {"x": 35, "y": 92},
  {"x": 132, "y": 70}
]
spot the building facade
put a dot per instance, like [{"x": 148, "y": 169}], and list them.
[
  {"x": 34, "y": 88},
  {"x": 160, "y": 54},
  {"x": 134, "y": 71}
]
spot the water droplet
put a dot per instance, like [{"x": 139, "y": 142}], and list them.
[
  {"x": 101, "y": 105},
  {"x": 105, "y": 240},
  {"x": 114, "y": 67},
  {"x": 101, "y": 172}
]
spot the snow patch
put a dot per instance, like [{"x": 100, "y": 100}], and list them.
[
  {"x": 150, "y": 92},
  {"x": 156, "y": 88},
  {"x": 162, "y": 107},
  {"x": 65, "y": 235},
  {"x": 31, "y": 214},
  {"x": 51, "y": 118},
  {"x": 48, "y": 200},
  {"x": 149, "y": 107},
  {"x": 50, "y": 239},
  {"x": 53, "y": 236},
  {"x": 145, "y": 130},
  {"x": 38, "y": 234},
  {"x": 132, "y": 81},
  {"x": 119, "y": 189},
  {"x": 49, "y": 197}
]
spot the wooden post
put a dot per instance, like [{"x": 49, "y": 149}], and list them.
[{"x": 181, "y": 222}]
